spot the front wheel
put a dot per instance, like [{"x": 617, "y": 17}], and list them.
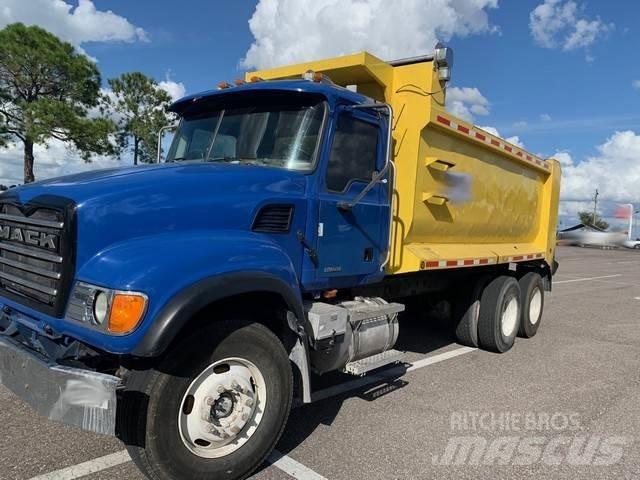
[{"x": 215, "y": 407}]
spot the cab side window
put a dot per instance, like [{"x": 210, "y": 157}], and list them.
[{"x": 353, "y": 153}]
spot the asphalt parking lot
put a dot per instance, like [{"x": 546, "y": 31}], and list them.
[{"x": 570, "y": 394}]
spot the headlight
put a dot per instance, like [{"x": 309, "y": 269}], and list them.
[
  {"x": 100, "y": 307},
  {"x": 113, "y": 311}
]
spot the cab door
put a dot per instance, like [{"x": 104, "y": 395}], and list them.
[{"x": 353, "y": 241}]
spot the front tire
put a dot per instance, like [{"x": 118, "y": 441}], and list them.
[
  {"x": 499, "y": 314},
  {"x": 215, "y": 406}
]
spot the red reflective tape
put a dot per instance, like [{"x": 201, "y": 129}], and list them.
[
  {"x": 444, "y": 120},
  {"x": 463, "y": 129},
  {"x": 519, "y": 257},
  {"x": 495, "y": 142},
  {"x": 452, "y": 263},
  {"x": 519, "y": 154},
  {"x": 431, "y": 264},
  {"x": 508, "y": 148},
  {"x": 468, "y": 262},
  {"x": 484, "y": 261},
  {"x": 480, "y": 136},
  {"x": 529, "y": 157}
]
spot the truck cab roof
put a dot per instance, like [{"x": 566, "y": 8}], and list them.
[{"x": 330, "y": 91}]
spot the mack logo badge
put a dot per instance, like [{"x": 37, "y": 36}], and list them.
[{"x": 29, "y": 237}]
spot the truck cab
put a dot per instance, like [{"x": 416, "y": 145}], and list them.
[{"x": 311, "y": 132}]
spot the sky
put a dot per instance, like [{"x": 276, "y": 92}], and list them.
[{"x": 559, "y": 77}]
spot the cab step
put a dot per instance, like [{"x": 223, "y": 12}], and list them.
[{"x": 361, "y": 367}]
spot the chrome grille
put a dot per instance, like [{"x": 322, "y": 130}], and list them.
[{"x": 32, "y": 263}]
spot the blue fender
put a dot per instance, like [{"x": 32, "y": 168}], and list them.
[{"x": 182, "y": 272}]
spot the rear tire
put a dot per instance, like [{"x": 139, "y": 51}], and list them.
[
  {"x": 159, "y": 428},
  {"x": 499, "y": 314},
  {"x": 466, "y": 311},
  {"x": 532, "y": 302}
]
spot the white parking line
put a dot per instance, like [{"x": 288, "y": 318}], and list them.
[
  {"x": 587, "y": 279},
  {"x": 283, "y": 462},
  {"x": 386, "y": 374},
  {"x": 86, "y": 468},
  {"x": 277, "y": 459},
  {"x": 295, "y": 469}
]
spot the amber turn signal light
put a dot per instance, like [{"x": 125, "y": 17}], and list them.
[{"x": 126, "y": 312}]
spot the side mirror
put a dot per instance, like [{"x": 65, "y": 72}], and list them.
[{"x": 160, "y": 135}]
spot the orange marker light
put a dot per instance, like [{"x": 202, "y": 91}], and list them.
[
  {"x": 126, "y": 312},
  {"x": 238, "y": 82},
  {"x": 223, "y": 85},
  {"x": 255, "y": 79}
]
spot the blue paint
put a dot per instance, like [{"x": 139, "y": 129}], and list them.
[{"x": 158, "y": 229}]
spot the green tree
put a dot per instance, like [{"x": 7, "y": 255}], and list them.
[
  {"x": 587, "y": 219},
  {"x": 46, "y": 90},
  {"x": 141, "y": 108}
]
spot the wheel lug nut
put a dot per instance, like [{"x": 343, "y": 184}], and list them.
[
  {"x": 221, "y": 389},
  {"x": 245, "y": 417},
  {"x": 235, "y": 429},
  {"x": 234, "y": 385},
  {"x": 249, "y": 402},
  {"x": 209, "y": 401}
]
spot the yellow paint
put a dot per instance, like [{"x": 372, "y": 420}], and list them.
[{"x": 456, "y": 196}]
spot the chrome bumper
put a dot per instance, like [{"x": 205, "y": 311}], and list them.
[{"x": 73, "y": 396}]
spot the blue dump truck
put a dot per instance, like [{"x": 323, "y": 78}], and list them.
[{"x": 184, "y": 306}]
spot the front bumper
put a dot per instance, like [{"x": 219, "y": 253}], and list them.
[{"x": 73, "y": 396}]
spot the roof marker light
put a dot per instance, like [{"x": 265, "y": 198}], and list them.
[
  {"x": 222, "y": 85},
  {"x": 239, "y": 82},
  {"x": 255, "y": 79}
]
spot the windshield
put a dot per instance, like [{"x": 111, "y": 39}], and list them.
[{"x": 283, "y": 136}]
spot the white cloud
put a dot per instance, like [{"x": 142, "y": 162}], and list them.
[
  {"x": 636, "y": 84},
  {"x": 466, "y": 102},
  {"x": 516, "y": 141},
  {"x": 51, "y": 160},
  {"x": 520, "y": 124},
  {"x": 176, "y": 90},
  {"x": 614, "y": 171},
  {"x": 563, "y": 23},
  {"x": 494, "y": 131},
  {"x": 78, "y": 25},
  {"x": 289, "y": 31},
  {"x": 545, "y": 117},
  {"x": 564, "y": 158}
]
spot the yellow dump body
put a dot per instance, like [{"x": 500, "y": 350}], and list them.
[{"x": 462, "y": 196}]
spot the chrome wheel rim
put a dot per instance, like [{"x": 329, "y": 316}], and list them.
[{"x": 222, "y": 408}]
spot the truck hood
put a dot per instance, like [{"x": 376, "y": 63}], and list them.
[{"x": 114, "y": 205}]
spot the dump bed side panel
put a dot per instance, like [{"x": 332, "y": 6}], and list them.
[{"x": 463, "y": 196}]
